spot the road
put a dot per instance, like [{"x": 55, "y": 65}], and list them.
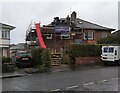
[{"x": 94, "y": 78}]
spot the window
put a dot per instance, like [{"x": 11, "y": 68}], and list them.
[
  {"x": 6, "y": 34},
  {"x": 48, "y": 36},
  {"x": 111, "y": 50},
  {"x": 88, "y": 36},
  {"x": 108, "y": 50},
  {"x": 105, "y": 49},
  {"x": 65, "y": 36}
]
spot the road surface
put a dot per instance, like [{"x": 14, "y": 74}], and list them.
[{"x": 94, "y": 78}]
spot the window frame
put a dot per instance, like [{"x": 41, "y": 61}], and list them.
[
  {"x": 87, "y": 34},
  {"x": 47, "y": 37},
  {"x": 5, "y": 34}
]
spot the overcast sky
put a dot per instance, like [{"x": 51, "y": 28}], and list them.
[{"x": 20, "y": 14}]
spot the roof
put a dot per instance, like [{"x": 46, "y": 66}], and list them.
[
  {"x": 116, "y": 32},
  {"x": 82, "y": 24},
  {"x": 6, "y": 26}
]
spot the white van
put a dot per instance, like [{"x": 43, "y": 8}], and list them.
[{"x": 110, "y": 54}]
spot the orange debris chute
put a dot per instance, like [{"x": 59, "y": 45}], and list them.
[{"x": 41, "y": 42}]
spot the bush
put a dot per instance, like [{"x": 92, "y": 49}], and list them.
[
  {"x": 46, "y": 59},
  {"x": 42, "y": 59},
  {"x": 65, "y": 59},
  {"x": 6, "y": 59},
  {"x": 36, "y": 54},
  {"x": 7, "y": 65},
  {"x": 76, "y": 50},
  {"x": 84, "y": 50}
]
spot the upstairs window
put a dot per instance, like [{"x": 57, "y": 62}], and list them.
[
  {"x": 88, "y": 36},
  {"x": 65, "y": 36},
  {"x": 5, "y": 34},
  {"x": 48, "y": 36}
]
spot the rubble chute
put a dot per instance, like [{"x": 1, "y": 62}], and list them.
[{"x": 38, "y": 30}]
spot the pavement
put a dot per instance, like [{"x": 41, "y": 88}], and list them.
[
  {"x": 17, "y": 73},
  {"x": 27, "y": 71}
]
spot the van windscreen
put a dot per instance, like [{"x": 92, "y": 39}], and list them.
[
  {"x": 108, "y": 50},
  {"x": 111, "y": 50}
]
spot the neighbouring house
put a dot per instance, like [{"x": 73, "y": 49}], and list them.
[
  {"x": 17, "y": 47},
  {"x": 5, "y": 39},
  {"x": 65, "y": 31}
]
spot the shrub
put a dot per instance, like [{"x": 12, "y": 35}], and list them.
[
  {"x": 84, "y": 50},
  {"x": 46, "y": 59},
  {"x": 36, "y": 54},
  {"x": 65, "y": 59},
  {"x": 7, "y": 65},
  {"x": 76, "y": 50},
  {"x": 6, "y": 59},
  {"x": 42, "y": 59}
]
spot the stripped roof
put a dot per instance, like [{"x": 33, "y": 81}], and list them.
[{"x": 83, "y": 24}]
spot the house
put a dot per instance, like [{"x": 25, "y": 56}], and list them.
[
  {"x": 65, "y": 31},
  {"x": 5, "y": 39},
  {"x": 17, "y": 47}
]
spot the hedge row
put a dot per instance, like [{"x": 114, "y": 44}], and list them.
[
  {"x": 84, "y": 50},
  {"x": 5, "y": 59},
  {"x": 76, "y": 50},
  {"x": 41, "y": 58}
]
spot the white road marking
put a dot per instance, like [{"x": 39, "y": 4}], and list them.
[
  {"x": 86, "y": 84},
  {"x": 99, "y": 82},
  {"x": 114, "y": 78},
  {"x": 90, "y": 83},
  {"x": 56, "y": 90},
  {"x": 76, "y": 86},
  {"x": 105, "y": 80}
]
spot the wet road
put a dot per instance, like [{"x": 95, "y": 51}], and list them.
[{"x": 97, "y": 78}]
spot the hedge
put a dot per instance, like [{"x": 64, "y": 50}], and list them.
[
  {"x": 84, "y": 50},
  {"x": 36, "y": 54},
  {"x": 41, "y": 59},
  {"x": 88, "y": 50},
  {"x": 5, "y": 59}
]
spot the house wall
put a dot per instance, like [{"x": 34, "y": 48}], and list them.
[
  {"x": 97, "y": 36},
  {"x": 56, "y": 43}
]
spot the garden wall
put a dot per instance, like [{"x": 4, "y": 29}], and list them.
[{"x": 87, "y": 60}]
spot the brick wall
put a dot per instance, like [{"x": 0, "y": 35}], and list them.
[{"x": 87, "y": 60}]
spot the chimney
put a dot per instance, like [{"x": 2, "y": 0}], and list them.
[
  {"x": 56, "y": 19},
  {"x": 73, "y": 17}
]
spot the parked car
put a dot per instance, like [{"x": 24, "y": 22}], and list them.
[{"x": 23, "y": 59}]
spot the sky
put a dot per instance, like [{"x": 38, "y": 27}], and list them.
[{"x": 21, "y": 13}]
